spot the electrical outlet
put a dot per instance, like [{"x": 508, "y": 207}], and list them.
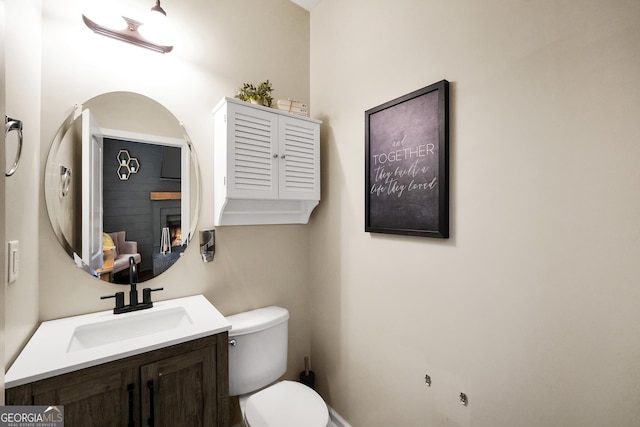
[{"x": 14, "y": 265}]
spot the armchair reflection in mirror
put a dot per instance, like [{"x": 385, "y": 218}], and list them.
[
  {"x": 116, "y": 254},
  {"x": 134, "y": 211}
]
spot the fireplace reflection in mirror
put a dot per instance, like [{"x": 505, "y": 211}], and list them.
[{"x": 167, "y": 253}]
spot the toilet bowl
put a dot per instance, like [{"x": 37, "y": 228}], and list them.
[
  {"x": 286, "y": 404},
  {"x": 257, "y": 359}
]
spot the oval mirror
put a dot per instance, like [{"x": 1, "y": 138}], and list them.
[{"x": 121, "y": 182}]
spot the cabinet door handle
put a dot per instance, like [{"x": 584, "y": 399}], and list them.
[
  {"x": 130, "y": 388},
  {"x": 151, "y": 419}
]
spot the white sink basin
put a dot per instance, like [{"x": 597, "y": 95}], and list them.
[
  {"x": 66, "y": 345},
  {"x": 126, "y": 328}
]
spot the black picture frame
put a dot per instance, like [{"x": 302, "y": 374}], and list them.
[{"x": 407, "y": 164}]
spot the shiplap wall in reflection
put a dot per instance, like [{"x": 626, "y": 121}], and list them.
[{"x": 126, "y": 204}]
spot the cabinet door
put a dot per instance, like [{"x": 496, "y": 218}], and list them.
[
  {"x": 299, "y": 169},
  {"x": 97, "y": 397},
  {"x": 252, "y": 156},
  {"x": 180, "y": 390}
]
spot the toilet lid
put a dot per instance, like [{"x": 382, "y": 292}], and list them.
[{"x": 286, "y": 404}]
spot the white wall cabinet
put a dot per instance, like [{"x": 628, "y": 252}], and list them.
[{"x": 267, "y": 165}]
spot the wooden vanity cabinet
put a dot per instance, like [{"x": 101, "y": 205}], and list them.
[
  {"x": 174, "y": 392},
  {"x": 98, "y": 396},
  {"x": 183, "y": 385}
]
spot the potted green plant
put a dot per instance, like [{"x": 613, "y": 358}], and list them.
[{"x": 260, "y": 95}]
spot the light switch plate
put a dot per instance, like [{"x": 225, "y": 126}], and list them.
[{"x": 14, "y": 266}]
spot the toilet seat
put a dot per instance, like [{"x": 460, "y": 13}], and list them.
[{"x": 286, "y": 404}]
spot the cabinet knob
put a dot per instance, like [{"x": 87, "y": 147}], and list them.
[
  {"x": 282, "y": 157},
  {"x": 275, "y": 155}
]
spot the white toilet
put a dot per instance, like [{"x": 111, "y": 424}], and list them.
[{"x": 257, "y": 359}]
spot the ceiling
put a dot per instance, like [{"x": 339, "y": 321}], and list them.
[{"x": 307, "y": 4}]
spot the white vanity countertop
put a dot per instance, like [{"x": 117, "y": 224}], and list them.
[{"x": 53, "y": 350}]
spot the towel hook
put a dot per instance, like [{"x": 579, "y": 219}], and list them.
[{"x": 13, "y": 125}]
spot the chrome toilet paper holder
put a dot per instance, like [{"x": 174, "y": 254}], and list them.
[{"x": 207, "y": 245}]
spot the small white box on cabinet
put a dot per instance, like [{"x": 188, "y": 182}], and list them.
[{"x": 266, "y": 166}]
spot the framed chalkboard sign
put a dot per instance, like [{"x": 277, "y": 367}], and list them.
[{"x": 407, "y": 164}]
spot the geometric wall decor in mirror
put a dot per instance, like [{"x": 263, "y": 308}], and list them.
[
  {"x": 100, "y": 217},
  {"x": 126, "y": 165}
]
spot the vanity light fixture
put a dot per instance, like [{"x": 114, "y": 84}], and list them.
[{"x": 155, "y": 34}]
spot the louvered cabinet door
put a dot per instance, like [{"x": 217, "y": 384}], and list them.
[
  {"x": 299, "y": 155},
  {"x": 252, "y": 162}
]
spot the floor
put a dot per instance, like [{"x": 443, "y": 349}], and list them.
[{"x": 242, "y": 425}]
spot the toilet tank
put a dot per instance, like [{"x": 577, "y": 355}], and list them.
[{"x": 257, "y": 349}]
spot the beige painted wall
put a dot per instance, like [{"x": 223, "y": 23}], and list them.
[
  {"x": 3, "y": 263},
  {"x": 531, "y": 307},
  {"x": 22, "y": 78},
  {"x": 220, "y": 45}
]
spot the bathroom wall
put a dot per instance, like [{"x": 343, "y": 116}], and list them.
[
  {"x": 3, "y": 264},
  {"x": 22, "y": 83},
  {"x": 531, "y": 307},
  {"x": 219, "y": 45}
]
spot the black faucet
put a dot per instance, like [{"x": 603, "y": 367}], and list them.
[
  {"x": 134, "y": 305},
  {"x": 133, "y": 282}
]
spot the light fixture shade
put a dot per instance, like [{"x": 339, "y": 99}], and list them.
[
  {"x": 106, "y": 13},
  {"x": 157, "y": 28},
  {"x": 155, "y": 36}
]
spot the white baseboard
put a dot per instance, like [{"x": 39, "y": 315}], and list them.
[{"x": 336, "y": 419}]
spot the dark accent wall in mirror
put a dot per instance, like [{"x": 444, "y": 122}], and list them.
[{"x": 128, "y": 205}]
